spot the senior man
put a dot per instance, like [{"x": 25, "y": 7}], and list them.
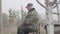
[{"x": 31, "y": 21}]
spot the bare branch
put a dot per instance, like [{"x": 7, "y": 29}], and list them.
[
  {"x": 54, "y": 6},
  {"x": 42, "y": 5},
  {"x": 54, "y": 2},
  {"x": 58, "y": 2}
]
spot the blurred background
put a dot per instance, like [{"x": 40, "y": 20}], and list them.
[{"x": 13, "y": 12}]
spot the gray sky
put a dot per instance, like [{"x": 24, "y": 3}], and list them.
[{"x": 16, "y": 5}]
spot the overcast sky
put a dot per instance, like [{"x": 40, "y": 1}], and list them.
[{"x": 16, "y": 5}]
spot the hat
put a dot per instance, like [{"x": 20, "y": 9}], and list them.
[{"x": 29, "y": 4}]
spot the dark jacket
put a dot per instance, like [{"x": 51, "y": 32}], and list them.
[
  {"x": 32, "y": 19},
  {"x": 30, "y": 23}
]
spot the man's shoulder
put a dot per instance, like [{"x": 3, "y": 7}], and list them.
[{"x": 34, "y": 11}]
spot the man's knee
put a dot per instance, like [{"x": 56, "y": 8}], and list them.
[{"x": 19, "y": 31}]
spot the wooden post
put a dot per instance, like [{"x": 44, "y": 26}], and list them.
[
  {"x": 0, "y": 18},
  {"x": 22, "y": 13},
  {"x": 0, "y": 15}
]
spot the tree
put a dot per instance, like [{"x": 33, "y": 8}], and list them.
[
  {"x": 12, "y": 15},
  {"x": 49, "y": 7},
  {"x": 48, "y": 2}
]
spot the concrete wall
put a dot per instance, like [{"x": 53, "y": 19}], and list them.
[{"x": 57, "y": 29}]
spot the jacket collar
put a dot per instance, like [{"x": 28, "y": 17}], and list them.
[{"x": 32, "y": 9}]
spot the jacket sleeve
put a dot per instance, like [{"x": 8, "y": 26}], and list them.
[
  {"x": 32, "y": 18},
  {"x": 35, "y": 17}
]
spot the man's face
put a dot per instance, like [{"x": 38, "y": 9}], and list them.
[{"x": 29, "y": 8}]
